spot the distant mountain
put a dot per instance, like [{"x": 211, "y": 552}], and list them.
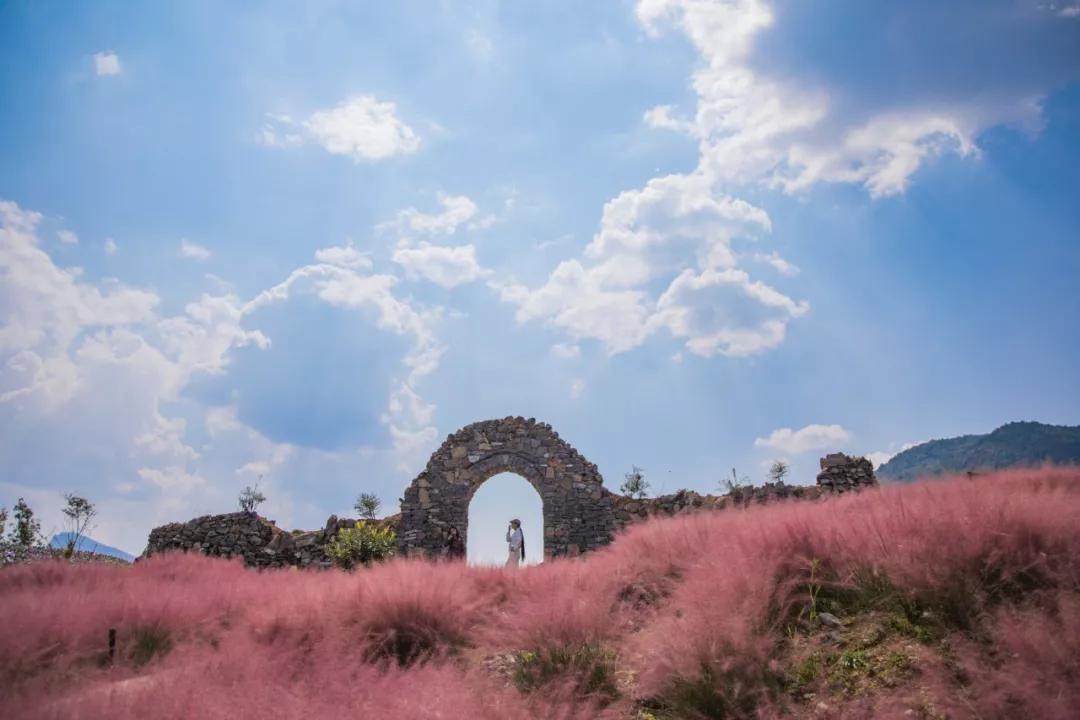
[
  {"x": 1012, "y": 445},
  {"x": 91, "y": 546}
]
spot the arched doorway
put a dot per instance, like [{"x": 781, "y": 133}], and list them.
[
  {"x": 501, "y": 498},
  {"x": 577, "y": 509}
]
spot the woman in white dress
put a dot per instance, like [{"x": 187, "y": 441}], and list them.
[{"x": 516, "y": 541}]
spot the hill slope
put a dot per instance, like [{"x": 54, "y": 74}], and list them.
[
  {"x": 90, "y": 545},
  {"x": 937, "y": 600},
  {"x": 1017, "y": 444}
]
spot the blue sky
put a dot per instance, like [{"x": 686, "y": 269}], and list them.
[{"x": 307, "y": 241}]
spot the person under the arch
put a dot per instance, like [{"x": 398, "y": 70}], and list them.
[
  {"x": 516, "y": 540},
  {"x": 454, "y": 547}
]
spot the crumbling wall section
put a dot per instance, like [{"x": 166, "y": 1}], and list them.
[{"x": 258, "y": 541}]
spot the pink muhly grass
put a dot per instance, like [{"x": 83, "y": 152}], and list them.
[
  {"x": 233, "y": 685},
  {"x": 957, "y": 544},
  {"x": 559, "y": 604},
  {"x": 693, "y": 609},
  {"x": 413, "y": 610},
  {"x": 1035, "y": 667},
  {"x": 66, "y": 619},
  {"x": 708, "y": 640}
]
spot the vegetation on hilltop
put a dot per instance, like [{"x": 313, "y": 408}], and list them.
[
  {"x": 954, "y": 599},
  {"x": 1017, "y": 444}
]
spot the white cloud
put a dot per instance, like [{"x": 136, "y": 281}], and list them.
[
  {"x": 407, "y": 418},
  {"x": 566, "y": 351},
  {"x": 46, "y": 310},
  {"x": 663, "y": 256},
  {"x": 66, "y": 344},
  {"x": 410, "y": 421},
  {"x": 110, "y": 246},
  {"x": 457, "y": 210},
  {"x": 106, "y": 63},
  {"x": 344, "y": 287},
  {"x": 448, "y": 266},
  {"x": 362, "y": 128},
  {"x": 193, "y": 251},
  {"x": 778, "y": 263},
  {"x": 883, "y": 154},
  {"x": 222, "y": 419},
  {"x": 791, "y": 133},
  {"x": 811, "y": 437},
  {"x": 445, "y": 266},
  {"x": 201, "y": 339},
  {"x": 480, "y": 45},
  {"x": 577, "y": 388},
  {"x": 661, "y": 117},
  {"x": 724, "y": 312},
  {"x": 652, "y": 234},
  {"x": 574, "y": 301},
  {"x": 67, "y": 237},
  {"x": 277, "y": 456},
  {"x": 280, "y": 131},
  {"x": 881, "y": 457},
  {"x": 166, "y": 438},
  {"x": 346, "y": 256},
  {"x": 877, "y": 459},
  {"x": 174, "y": 480}
]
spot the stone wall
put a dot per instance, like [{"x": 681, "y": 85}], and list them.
[
  {"x": 841, "y": 473},
  {"x": 630, "y": 510},
  {"x": 577, "y": 508},
  {"x": 257, "y": 540},
  {"x": 562, "y": 483}
]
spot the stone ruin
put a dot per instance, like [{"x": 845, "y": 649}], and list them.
[
  {"x": 247, "y": 535},
  {"x": 841, "y": 473},
  {"x": 577, "y": 507},
  {"x": 579, "y": 513}
]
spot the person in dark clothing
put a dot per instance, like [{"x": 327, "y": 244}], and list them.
[{"x": 454, "y": 547}]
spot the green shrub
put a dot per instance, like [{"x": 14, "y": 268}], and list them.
[
  {"x": 149, "y": 642},
  {"x": 807, "y": 672},
  {"x": 591, "y": 667},
  {"x": 859, "y": 671},
  {"x": 718, "y": 693},
  {"x": 361, "y": 545}
]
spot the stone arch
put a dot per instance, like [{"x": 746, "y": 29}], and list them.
[{"x": 577, "y": 509}]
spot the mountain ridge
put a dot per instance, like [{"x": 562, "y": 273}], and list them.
[
  {"x": 1014, "y": 444},
  {"x": 90, "y": 545}
]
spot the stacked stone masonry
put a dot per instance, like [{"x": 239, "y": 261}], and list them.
[
  {"x": 841, "y": 473},
  {"x": 579, "y": 513},
  {"x": 249, "y": 536},
  {"x": 577, "y": 509}
]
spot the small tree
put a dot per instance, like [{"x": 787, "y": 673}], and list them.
[
  {"x": 635, "y": 485},
  {"x": 778, "y": 471},
  {"x": 361, "y": 545},
  {"x": 735, "y": 483},
  {"x": 368, "y": 505},
  {"x": 80, "y": 514},
  {"x": 27, "y": 531},
  {"x": 251, "y": 498},
  {"x": 3, "y": 522}
]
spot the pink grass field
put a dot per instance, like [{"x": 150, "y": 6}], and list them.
[{"x": 696, "y": 616}]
